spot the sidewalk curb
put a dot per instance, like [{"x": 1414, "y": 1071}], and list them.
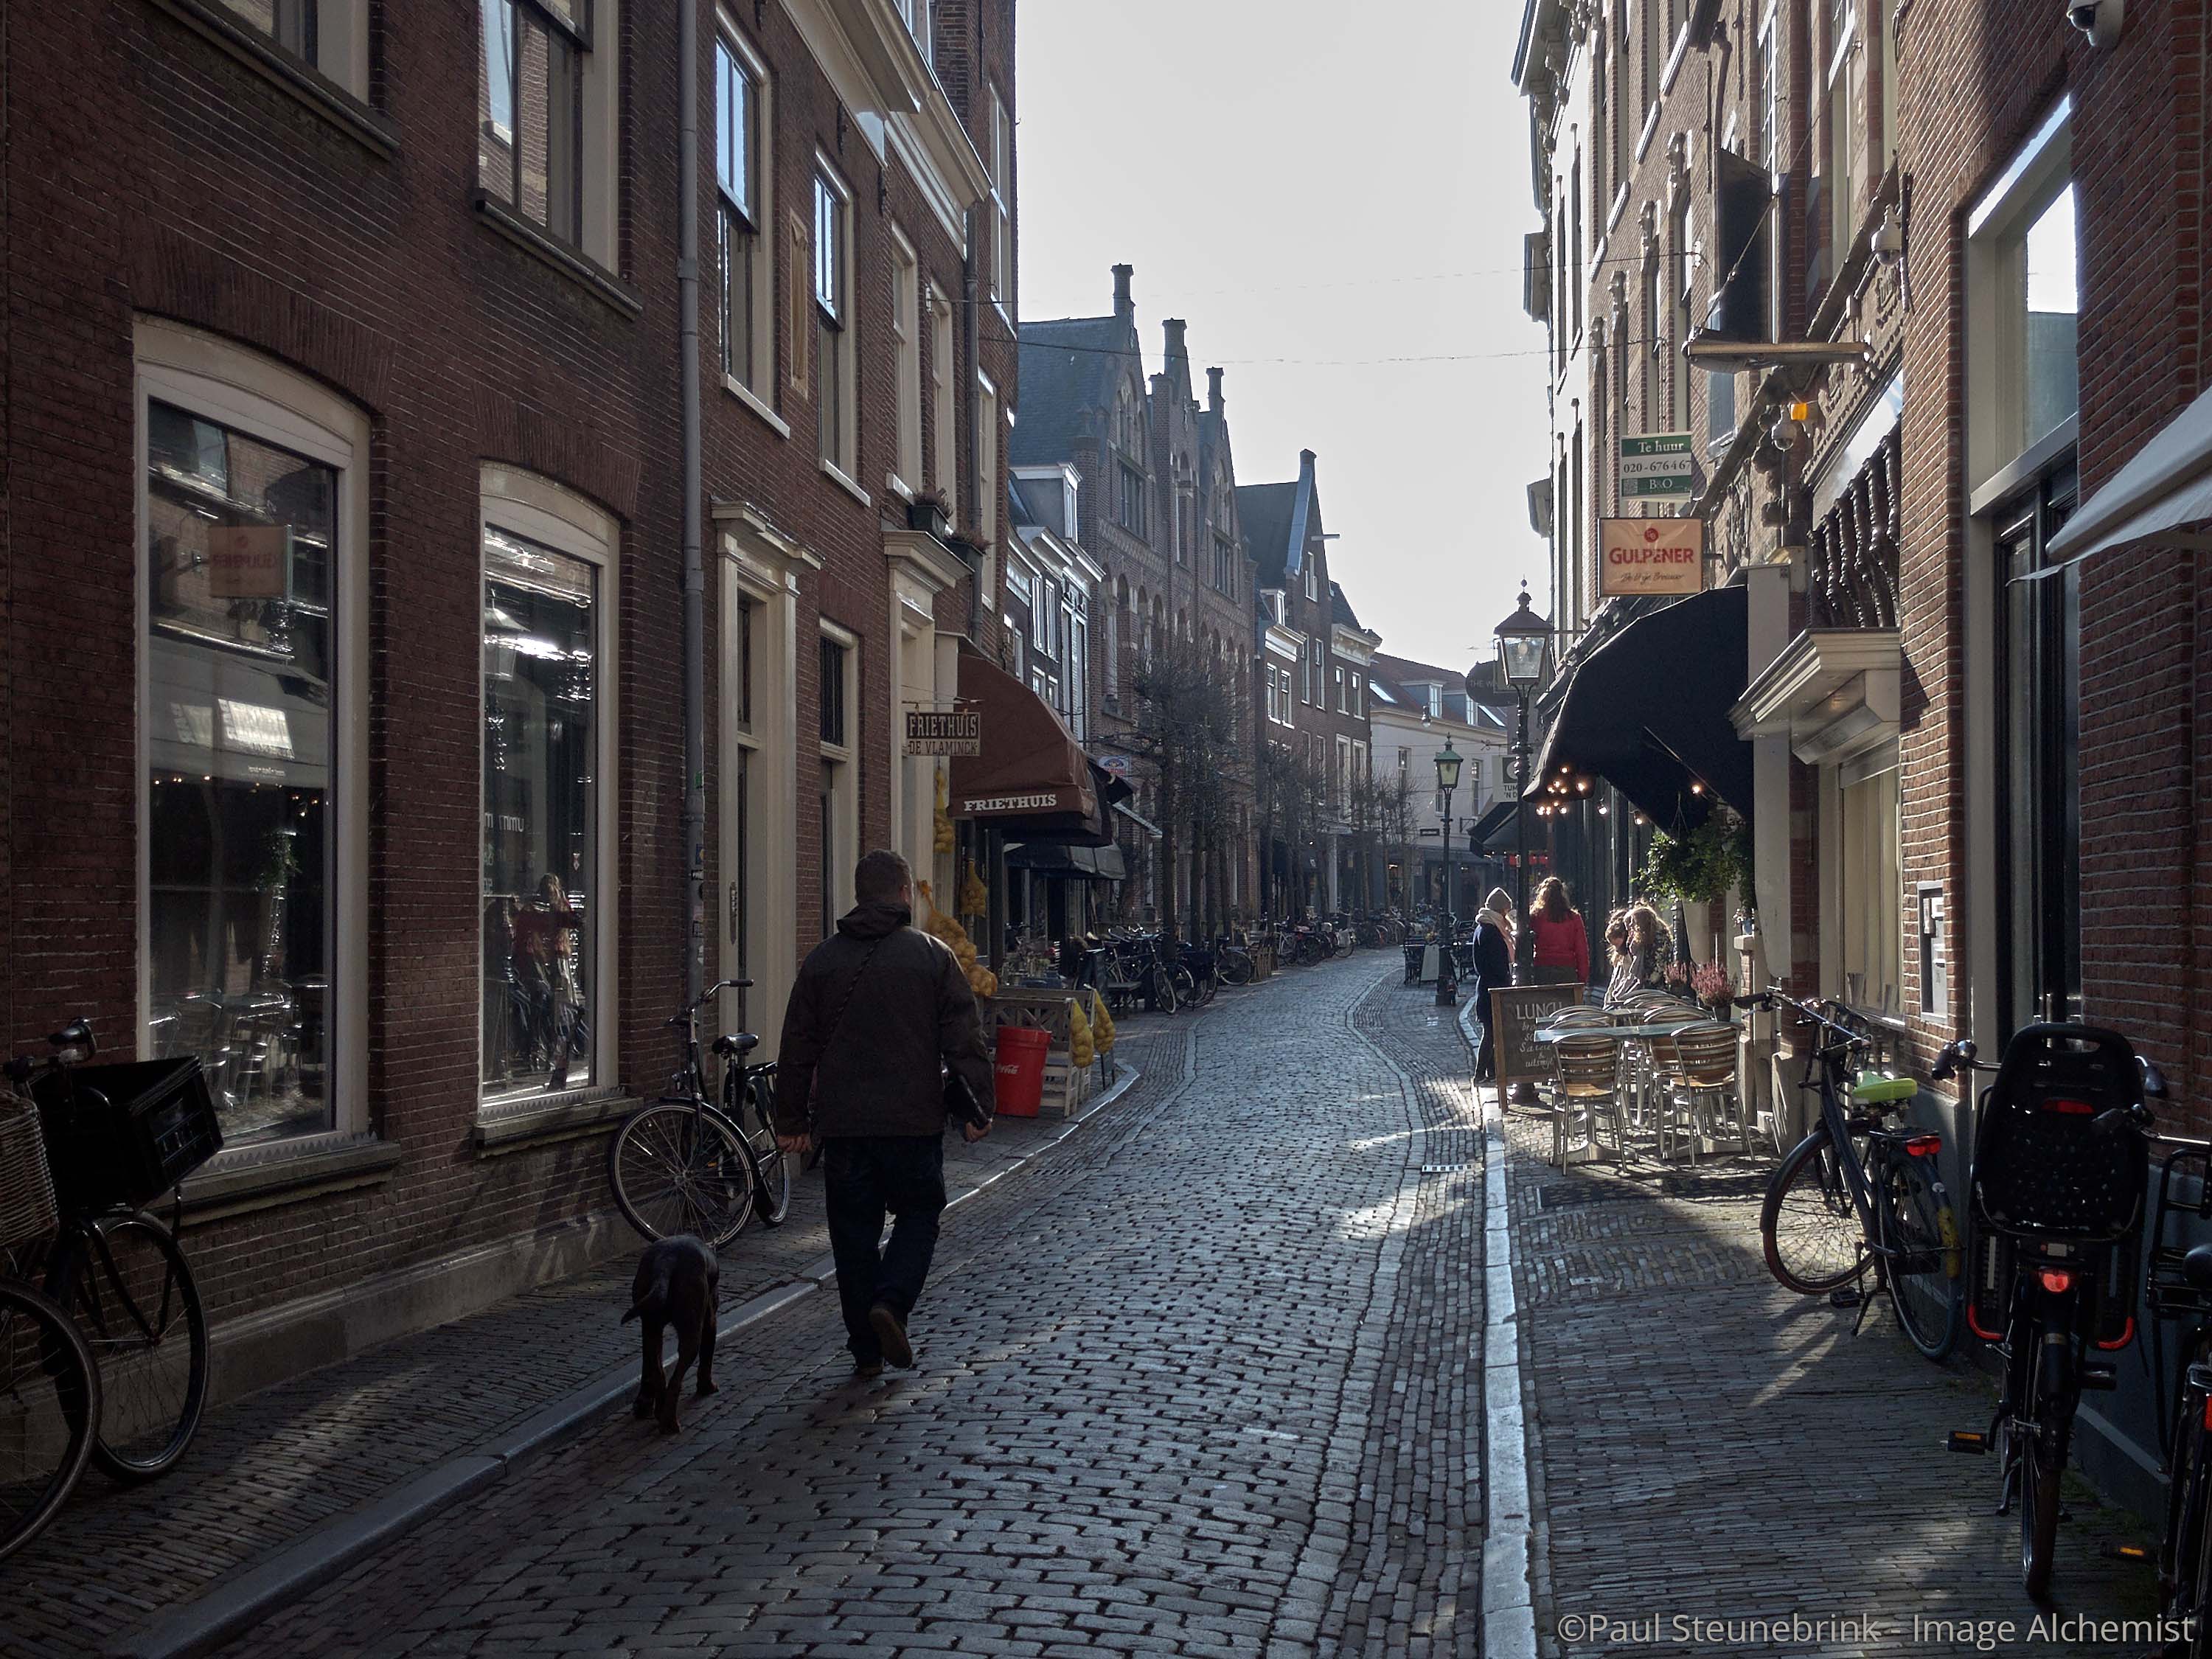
[
  {"x": 1509, "y": 1610},
  {"x": 238, "y": 1603}
]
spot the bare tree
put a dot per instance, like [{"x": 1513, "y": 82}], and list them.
[
  {"x": 1188, "y": 733},
  {"x": 1294, "y": 805}
]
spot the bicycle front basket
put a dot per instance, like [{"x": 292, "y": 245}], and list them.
[
  {"x": 128, "y": 1133},
  {"x": 2045, "y": 1166},
  {"x": 26, "y": 1188}
]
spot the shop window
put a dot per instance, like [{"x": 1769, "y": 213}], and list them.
[
  {"x": 242, "y": 539},
  {"x": 252, "y": 520},
  {"x": 745, "y": 301},
  {"x": 546, "y": 883}
]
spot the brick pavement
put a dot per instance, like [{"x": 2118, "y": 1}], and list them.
[
  {"x": 1710, "y": 1445},
  {"x": 266, "y": 1469},
  {"x": 1162, "y": 1407}
]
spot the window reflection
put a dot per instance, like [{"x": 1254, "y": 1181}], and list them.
[
  {"x": 240, "y": 539},
  {"x": 540, "y": 852}
]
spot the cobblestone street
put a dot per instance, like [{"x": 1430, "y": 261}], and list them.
[
  {"x": 1708, "y": 1446},
  {"x": 1166, "y": 1402}
]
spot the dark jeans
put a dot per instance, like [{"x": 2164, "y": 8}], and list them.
[{"x": 862, "y": 1177}]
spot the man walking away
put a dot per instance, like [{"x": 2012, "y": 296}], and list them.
[{"x": 879, "y": 1009}]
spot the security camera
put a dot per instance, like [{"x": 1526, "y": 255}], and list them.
[{"x": 2098, "y": 19}]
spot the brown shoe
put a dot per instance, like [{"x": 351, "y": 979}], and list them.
[
  {"x": 863, "y": 1369},
  {"x": 890, "y": 1332}
]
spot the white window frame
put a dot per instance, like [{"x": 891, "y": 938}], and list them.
[
  {"x": 987, "y": 486},
  {"x": 1044, "y": 610},
  {"x": 915, "y": 14},
  {"x": 756, "y": 388},
  {"x": 905, "y": 479},
  {"x": 1997, "y": 232},
  {"x": 555, "y": 516},
  {"x": 341, "y": 53},
  {"x": 1001, "y": 159},
  {"x": 833, "y": 301},
  {"x": 258, "y": 397},
  {"x": 945, "y": 466},
  {"x": 845, "y": 830},
  {"x": 601, "y": 113}
]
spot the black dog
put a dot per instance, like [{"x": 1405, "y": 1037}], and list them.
[{"x": 676, "y": 1285}]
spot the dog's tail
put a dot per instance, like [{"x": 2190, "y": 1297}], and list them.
[{"x": 648, "y": 1295}]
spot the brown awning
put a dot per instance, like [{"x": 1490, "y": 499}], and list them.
[{"x": 1032, "y": 781}]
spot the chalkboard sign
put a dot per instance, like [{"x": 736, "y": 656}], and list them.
[{"x": 1517, "y": 1011}]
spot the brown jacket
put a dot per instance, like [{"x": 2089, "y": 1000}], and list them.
[{"x": 877, "y": 1074}]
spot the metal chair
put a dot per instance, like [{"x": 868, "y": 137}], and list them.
[
  {"x": 1701, "y": 1078},
  {"x": 1585, "y": 1078}
]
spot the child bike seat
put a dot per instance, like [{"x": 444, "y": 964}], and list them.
[{"x": 1873, "y": 1090}]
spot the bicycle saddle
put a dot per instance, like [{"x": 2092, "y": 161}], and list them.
[
  {"x": 77, "y": 1034},
  {"x": 740, "y": 1045},
  {"x": 1871, "y": 1090},
  {"x": 2197, "y": 1267}
]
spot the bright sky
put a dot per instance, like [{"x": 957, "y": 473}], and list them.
[{"x": 1325, "y": 192}]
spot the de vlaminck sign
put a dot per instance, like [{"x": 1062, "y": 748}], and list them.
[{"x": 1651, "y": 556}]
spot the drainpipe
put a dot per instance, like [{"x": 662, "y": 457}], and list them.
[
  {"x": 695, "y": 573},
  {"x": 971, "y": 291}
]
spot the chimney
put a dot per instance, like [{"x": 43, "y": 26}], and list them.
[
  {"x": 1178, "y": 352},
  {"x": 1124, "y": 306},
  {"x": 1213, "y": 389}
]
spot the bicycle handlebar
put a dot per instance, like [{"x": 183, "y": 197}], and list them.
[{"x": 1809, "y": 1012}]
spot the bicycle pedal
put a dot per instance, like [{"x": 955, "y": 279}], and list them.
[
  {"x": 1965, "y": 1441},
  {"x": 1847, "y": 1298}
]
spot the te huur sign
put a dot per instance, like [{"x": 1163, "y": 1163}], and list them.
[
  {"x": 1651, "y": 556},
  {"x": 929, "y": 732},
  {"x": 1658, "y": 466}
]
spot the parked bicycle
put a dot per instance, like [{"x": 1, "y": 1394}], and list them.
[
  {"x": 2061, "y": 1160},
  {"x": 2179, "y": 1288},
  {"x": 121, "y": 1381},
  {"x": 1857, "y": 1197},
  {"x": 1233, "y": 961},
  {"x": 687, "y": 1164}
]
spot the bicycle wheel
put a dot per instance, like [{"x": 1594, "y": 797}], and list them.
[
  {"x": 1185, "y": 985},
  {"x": 2185, "y": 1562},
  {"x": 1237, "y": 970},
  {"x": 49, "y": 1412},
  {"x": 2043, "y": 1460},
  {"x": 1808, "y": 1224},
  {"x": 771, "y": 1169},
  {"x": 679, "y": 1166},
  {"x": 124, "y": 1281},
  {"x": 1924, "y": 1276}
]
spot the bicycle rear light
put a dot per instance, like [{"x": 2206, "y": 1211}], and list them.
[
  {"x": 2071, "y": 1107},
  {"x": 2056, "y": 1280},
  {"x": 1923, "y": 1145}
]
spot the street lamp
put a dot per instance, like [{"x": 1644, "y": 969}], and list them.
[
  {"x": 1448, "y": 765},
  {"x": 1524, "y": 640}
]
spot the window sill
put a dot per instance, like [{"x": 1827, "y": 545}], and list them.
[
  {"x": 1650, "y": 130},
  {"x": 745, "y": 395},
  {"x": 895, "y": 485},
  {"x": 1675, "y": 59},
  {"x": 1619, "y": 206},
  {"x": 534, "y": 1121},
  {"x": 317, "y": 91},
  {"x": 615, "y": 295},
  {"x": 837, "y": 473},
  {"x": 242, "y": 1188}
]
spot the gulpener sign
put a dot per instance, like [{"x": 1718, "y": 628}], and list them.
[{"x": 1651, "y": 556}]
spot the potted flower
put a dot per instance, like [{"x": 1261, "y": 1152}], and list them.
[{"x": 1713, "y": 986}]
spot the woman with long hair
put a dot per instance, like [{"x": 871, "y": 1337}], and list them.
[
  {"x": 1492, "y": 947},
  {"x": 1562, "y": 939},
  {"x": 1639, "y": 951}
]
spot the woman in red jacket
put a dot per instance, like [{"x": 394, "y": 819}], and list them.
[{"x": 1562, "y": 941}]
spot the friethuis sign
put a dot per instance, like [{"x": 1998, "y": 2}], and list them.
[
  {"x": 1651, "y": 556},
  {"x": 931, "y": 732}
]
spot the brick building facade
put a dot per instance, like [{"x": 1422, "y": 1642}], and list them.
[
  {"x": 300, "y": 313},
  {"x": 1937, "y": 268}
]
